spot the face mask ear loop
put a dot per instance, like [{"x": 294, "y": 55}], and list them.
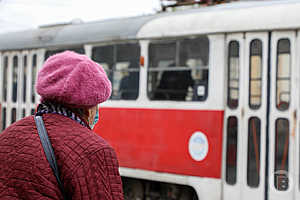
[{"x": 96, "y": 118}]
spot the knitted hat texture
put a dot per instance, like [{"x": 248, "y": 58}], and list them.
[{"x": 73, "y": 79}]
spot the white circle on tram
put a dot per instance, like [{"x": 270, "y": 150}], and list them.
[{"x": 198, "y": 146}]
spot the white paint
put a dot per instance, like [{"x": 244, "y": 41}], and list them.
[
  {"x": 147, "y": 104},
  {"x": 198, "y": 146}
]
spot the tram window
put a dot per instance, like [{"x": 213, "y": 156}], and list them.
[
  {"x": 178, "y": 70},
  {"x": 13, "y": 115},
  {"x": 231, "y": 150},
  {"x": 233, "y": 74},
  {"x": 3, "y": 118},
  {"x": 33, "y": 77},
  {"x": 15, "y": 79},
  {"x": 24, "y": 77},
  {"x": 253, "y": 161},
  {"x": 283, "y": 77},
  {"x": 121, "y": 63},
  {"x": 281, "y": 155},
  {"x": 105, "y": 56},
  {"x": 161, "y": 56},
  {"x": 126, "y": 74},
  {"x": 23, "y": 112},
  {"x": 52, "y": 52},
  {"x": 4, "y": 78},
  {"x": 255, "y": 81}
]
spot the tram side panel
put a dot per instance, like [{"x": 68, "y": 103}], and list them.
[
  {"x": 171, "y": 141},
  {"x": 184, "y": 142}
]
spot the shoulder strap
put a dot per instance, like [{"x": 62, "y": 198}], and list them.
[{"x": 49, "y": 151}]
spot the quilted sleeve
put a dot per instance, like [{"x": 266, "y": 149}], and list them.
[{"x": 97, "y": 177}]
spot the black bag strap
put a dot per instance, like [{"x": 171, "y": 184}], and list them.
[{"x": 49, "y": 151}]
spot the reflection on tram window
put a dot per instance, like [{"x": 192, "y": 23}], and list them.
[
  {"x": 4, "y": 78},
  {"x": 13, "y": 115},
  {"x": 52, "y": 52},
  {"x": 121, "y": 63},
  {"x": 33, "y": 77},
  {"x": 15, "y": 79},
  {"x": 255, "y": 78},
  {"x": 283, "y": 76},
  {"x": 233, "y": 75},
  {"x": 3, "y": 118},
  {"x": 178, "y": 70},
  {"x": 24, "y": 77},
  {"x": 281, "y": 167},
  {"x": 253, "y": 161},
  {"x": 231, "y": 150}
]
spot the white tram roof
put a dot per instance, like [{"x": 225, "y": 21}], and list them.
[
  {"x": 229, "y": 17},
  {"x": 73, "y": 34}
]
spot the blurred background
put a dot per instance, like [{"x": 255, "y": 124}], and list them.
[{"x": 19, "y": 14}]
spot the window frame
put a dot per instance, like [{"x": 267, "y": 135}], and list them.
[
  {"x": 13, "y": 115},
  {"x": 111, "y": 71},
  {"x": 15, "y": 78},
  {"x": 286, "y": 78},
  {"x": 279, "y": 171},
  {"x": 257, "y": 149},
  {"x": 3, "y": 117},
  {"x": 25, "y": 77},
  {"x": 178, "y": 41},
  {"x": 253, "y": 106},
  {"x": 5, "y": 78},
  {"x": 229, "y": 75},
  {"x": 236, "y": 150},
  {"x": 34, "y": 72},
  {"x": 51, "y": 51}
]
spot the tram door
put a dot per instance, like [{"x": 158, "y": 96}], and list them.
[
  {"x": 283, "y": 123},
  {"x": 17, "y": 93},
  {"x": 261, "y": 117}
]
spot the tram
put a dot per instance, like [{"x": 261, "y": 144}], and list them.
[{"x": 205, "y": 102}]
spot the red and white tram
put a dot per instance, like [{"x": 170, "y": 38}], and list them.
[{"x": 205, "y": 101}]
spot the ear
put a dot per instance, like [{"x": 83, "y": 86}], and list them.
[{"x": 91, "y": 114}]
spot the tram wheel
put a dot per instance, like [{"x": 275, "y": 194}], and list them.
[
  {"x": 133, "y": 190},
  {"x": 187, "y": 194}
]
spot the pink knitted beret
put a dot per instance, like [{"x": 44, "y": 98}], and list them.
[{"x": 73, "y": 79}]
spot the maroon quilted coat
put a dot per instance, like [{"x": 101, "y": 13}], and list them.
[{"x": 88, "y": 165}]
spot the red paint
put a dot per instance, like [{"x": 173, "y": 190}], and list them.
[{"x": 157, "y": 139}]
